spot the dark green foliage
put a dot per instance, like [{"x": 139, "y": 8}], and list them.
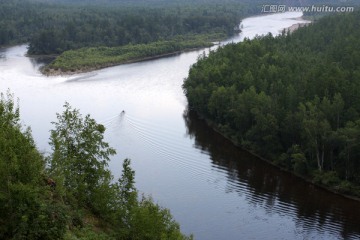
[
  {"x": 80, "y": 156},
  {"x": 27, "y": 210},
  {"x": 150, "y": 221},
  {"x": 293, "y": 99},
  {"x": 51, "y": 28},
  {"x": 39, "y": 219}
]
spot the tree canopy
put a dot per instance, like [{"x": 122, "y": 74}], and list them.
[{"x": 53, "y": 27}]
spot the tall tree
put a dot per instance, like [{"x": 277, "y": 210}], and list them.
[{"x": 80, "y": 154}]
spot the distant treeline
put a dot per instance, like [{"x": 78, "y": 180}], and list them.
[
  {"x": 54, "y": 26},
  {"x": 293, "y": 99},
  {"x": 51, "y": 28}
]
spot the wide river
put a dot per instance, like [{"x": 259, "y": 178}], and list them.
[{"x": 213, "y": 189}]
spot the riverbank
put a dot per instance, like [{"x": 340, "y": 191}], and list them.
[
  {"x": 296, "y": 26},
  {"x": 259, "y": 101},
  {"x": 309, "y": 179}
]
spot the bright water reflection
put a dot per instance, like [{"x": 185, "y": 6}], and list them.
[{"x": 213, "y": 189}]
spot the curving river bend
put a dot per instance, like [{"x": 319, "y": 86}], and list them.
[{"x": 213, "y": 189}]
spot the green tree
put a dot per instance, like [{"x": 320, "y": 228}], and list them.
[
  {"x": 80, "y": 155},
  {"x": 27, "y": 210},
  {"x": 316, "y": 130},
  {"x": 125, "y": 199},
  {"x": 350, "y": 136},
  {"x": 151, "y": 222}
]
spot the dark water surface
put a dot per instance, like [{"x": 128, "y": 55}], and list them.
[{"x": 214, "y": 190}]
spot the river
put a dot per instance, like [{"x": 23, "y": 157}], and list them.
[{"x": 213, "y": 189}]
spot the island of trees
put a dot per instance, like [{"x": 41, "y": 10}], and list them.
[
  {"x": 70, "y": 194},
  {"x": 292, "y": 99}
]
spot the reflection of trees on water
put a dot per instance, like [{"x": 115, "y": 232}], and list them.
[
  {"x": 40, "y": 61},
  {"x": 276, "y": 191},
  {"x": 2, "y": 56}
]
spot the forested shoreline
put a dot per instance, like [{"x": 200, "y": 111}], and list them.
[
  {"x": 52, "y": 28},
  {"x": 292, "y": 99},
  {"x": 57, "y": 27},
  {"x": 71, "y": 194}
]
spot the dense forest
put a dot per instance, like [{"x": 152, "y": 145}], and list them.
[
  {"x": 57, "y": 26},
  {"x": 293, "y": 99},
  {"x": 51, "y": 28},
  {"x": 54, "y": 26},
  {"x": 70, "y": 194}
]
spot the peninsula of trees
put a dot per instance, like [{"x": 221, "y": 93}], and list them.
[
  {"x": 292, "y": 99},
  {"x": 87, "y": 59}
]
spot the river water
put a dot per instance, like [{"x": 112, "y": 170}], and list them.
[{"x": 213, "y": 189}]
